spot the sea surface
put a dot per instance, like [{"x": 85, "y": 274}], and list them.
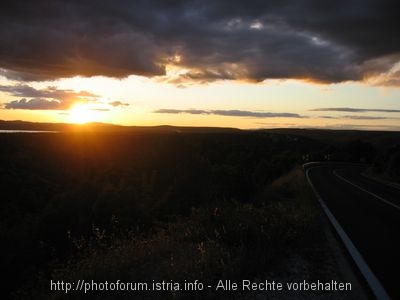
[{"x": 26, "y": 131}]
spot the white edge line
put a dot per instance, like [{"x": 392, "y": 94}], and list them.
[
  {"x": 387, "y": 183},
  {"x": 364, "y": 190},
  {"x": 373, "y": 282}
]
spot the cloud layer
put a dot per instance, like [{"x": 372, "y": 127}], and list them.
[
  {"x": 359, "y": 110},
  {"x": 356, "y": 117},
  {"x": 49, "y": 98},
  {"x": 219, "y": 39},
  {"x": 231, "y": 113}
]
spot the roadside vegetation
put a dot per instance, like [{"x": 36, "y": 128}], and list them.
[{"x": 387, "y": 164}]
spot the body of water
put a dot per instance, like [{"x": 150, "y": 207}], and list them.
[{"x": 26, "y": 131}]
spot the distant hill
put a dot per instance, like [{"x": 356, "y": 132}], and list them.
[
  {"x": 104, "y": 127},
  {"x": 23, "y": 125},
  {"x": 379, "y": 139}
]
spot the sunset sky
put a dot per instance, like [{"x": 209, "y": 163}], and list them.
[{"x": 246, "y": 64}]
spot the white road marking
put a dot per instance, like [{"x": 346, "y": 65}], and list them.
[
  {"x": 381, "y": 181},
  {"x": 373, "y": 282},
  {"x": 359, "y": 187}
]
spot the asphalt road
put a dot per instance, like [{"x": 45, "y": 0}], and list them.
[{"x": 369, "y": 213}]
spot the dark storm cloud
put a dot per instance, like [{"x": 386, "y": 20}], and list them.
[
  {"x": 360, "y": 110},
  {"x": 391, "y": 78},
  {"x": 230, "y": 113},
  {"x": 248, "y": 40},
  {"x": 49, "y": 98}
]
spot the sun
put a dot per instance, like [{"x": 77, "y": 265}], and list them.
[{"x": 82, "y": 113}]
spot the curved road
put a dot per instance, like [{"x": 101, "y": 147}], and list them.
[{"x": 368, "y": 211}]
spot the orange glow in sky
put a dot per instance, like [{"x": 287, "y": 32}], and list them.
[{"x": 136, "y": 100}]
